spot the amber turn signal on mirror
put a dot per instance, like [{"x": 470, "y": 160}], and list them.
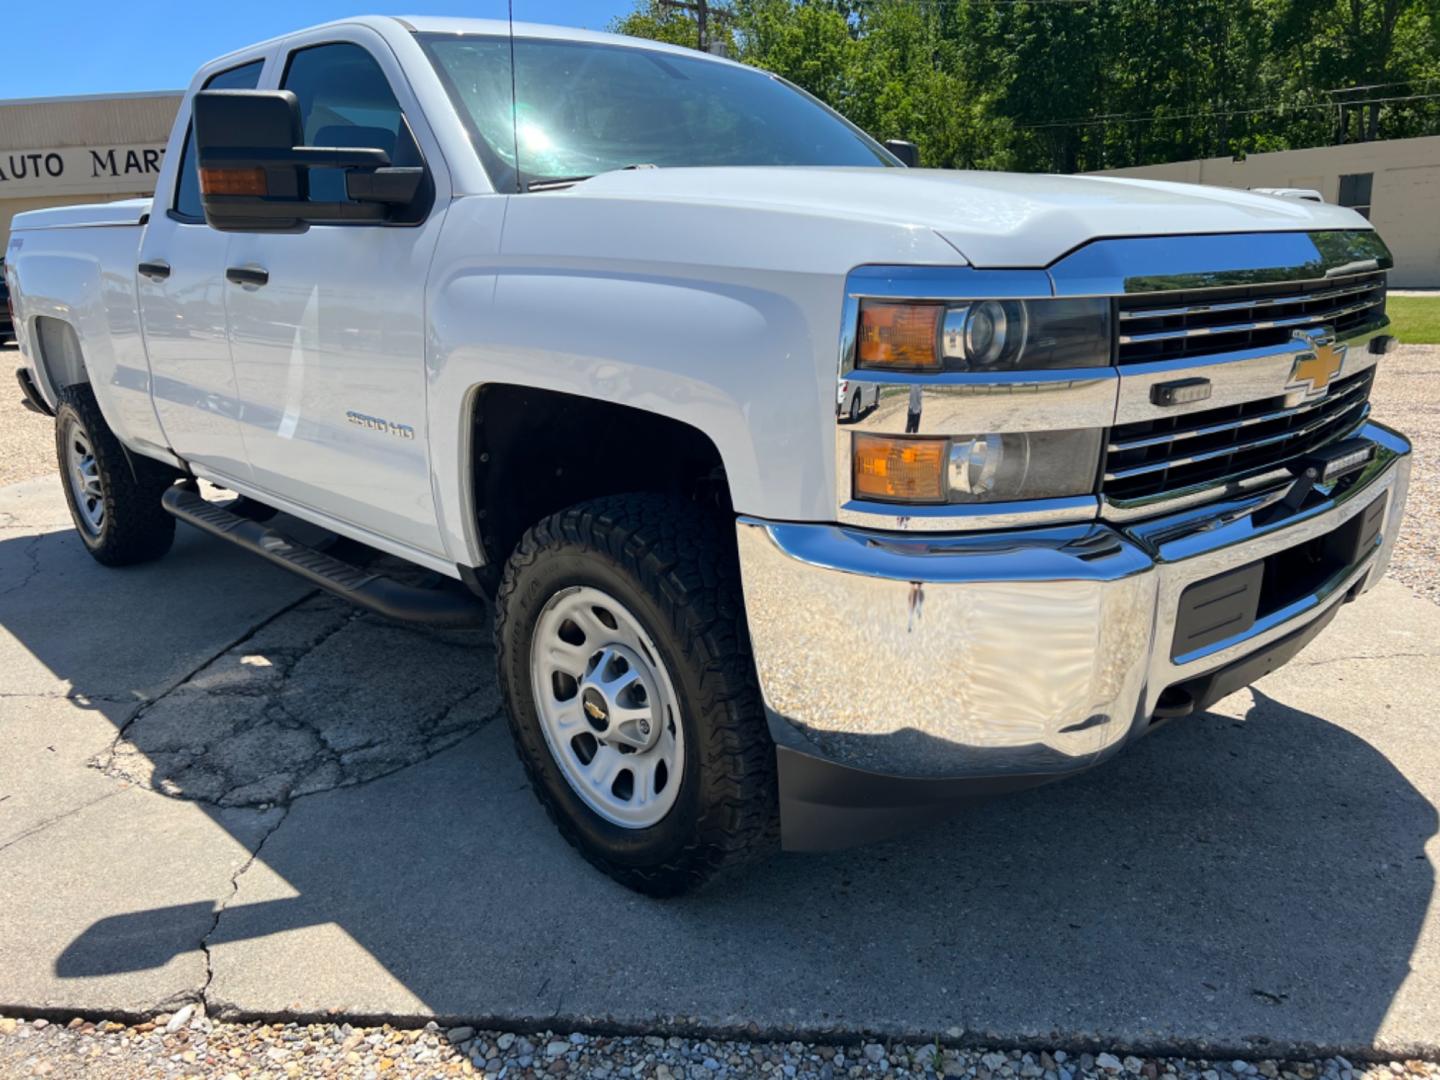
[{"x": 233, "y": 182}]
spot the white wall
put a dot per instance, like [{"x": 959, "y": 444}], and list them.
[
  {"x": 62, "y": 151},
  {"x": 1405, "y": 198}
]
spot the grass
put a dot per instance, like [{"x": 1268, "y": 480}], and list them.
[{"x": 1415, "y": 320}]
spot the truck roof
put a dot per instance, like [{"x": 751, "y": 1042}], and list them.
[{"x": 443, "y": 24}]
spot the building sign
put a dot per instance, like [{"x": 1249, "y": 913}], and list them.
[{"x": 73, "y": 170}]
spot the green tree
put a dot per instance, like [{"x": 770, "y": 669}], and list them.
[
  {"x": 674, "y": 26},
  {"x": 1068, "y": 87}
]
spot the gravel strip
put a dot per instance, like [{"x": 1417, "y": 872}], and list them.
[
  {"x": 188, "y": 1044},
  {"x": 1407, "y": 398},
  {"x": 27, "y": 440}
]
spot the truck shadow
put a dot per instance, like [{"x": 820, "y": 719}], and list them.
[{"x": 1225, "y": 882}]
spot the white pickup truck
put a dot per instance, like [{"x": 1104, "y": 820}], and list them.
[{"x": 577, "y": 321}]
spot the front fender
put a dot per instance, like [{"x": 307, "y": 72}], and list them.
[{"x": 745, "y": 355}]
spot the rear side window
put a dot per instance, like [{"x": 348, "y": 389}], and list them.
[
  {"x": 187, "y": 194},
  {"x": 345, "y": 100}
]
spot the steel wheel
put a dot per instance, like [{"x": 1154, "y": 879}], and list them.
[
  {"x": 83, "y": 473},
  {"x": 607, "y": 707}
]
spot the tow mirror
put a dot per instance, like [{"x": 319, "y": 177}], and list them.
[
  {"x": 256, "y": 177},
  {"x": 906, "y": 151}
]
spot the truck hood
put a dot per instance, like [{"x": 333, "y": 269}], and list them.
[{"x": 992, "y": 219}]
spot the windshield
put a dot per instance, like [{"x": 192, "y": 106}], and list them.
[{"x": 584, "y": 108}]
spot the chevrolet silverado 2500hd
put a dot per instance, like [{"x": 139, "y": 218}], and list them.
[{"x": 592, "y": 348}]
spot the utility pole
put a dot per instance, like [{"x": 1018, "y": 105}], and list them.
[{"x": 703, "y": 9}]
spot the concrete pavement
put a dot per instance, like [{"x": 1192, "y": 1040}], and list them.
[{"x": 1256, "y": 880}]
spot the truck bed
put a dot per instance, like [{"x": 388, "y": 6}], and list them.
[
  {"x": 122, "y": 212},
  {"x": 73, "y": 270}
]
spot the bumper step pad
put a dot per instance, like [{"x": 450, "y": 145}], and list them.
[{"x": 364, "y": 588}]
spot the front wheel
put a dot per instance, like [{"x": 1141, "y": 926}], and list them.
[
  {"x": 626, "y": 668},
  {"x": 115, "y": 504}
]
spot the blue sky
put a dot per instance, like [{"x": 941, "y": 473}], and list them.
[{"x": 55, "y": 47}]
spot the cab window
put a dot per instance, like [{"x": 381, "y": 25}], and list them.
[{"x": 345, "y": 100}]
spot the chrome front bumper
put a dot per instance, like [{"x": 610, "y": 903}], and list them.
[{"x": 902, "y": 672}]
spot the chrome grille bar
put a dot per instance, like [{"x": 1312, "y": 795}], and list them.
[
  {"x": 1242, "y": 305},
  {"x": 1148, "y": 459},
  {"x": 1121, "y": 445},
  {"x": 1185, "y": 325},
  {"x": 1230, "y": 450},
  {"x": 1314, "y": 318}
]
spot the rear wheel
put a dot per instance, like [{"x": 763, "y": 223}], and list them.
[
  {"x": 855, "y": 409},
  {"x": 116, "y": 508},
  {"x": 632, "y": 697}
]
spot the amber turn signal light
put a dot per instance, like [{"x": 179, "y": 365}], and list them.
[
  {"x": 898, "y": 336},
  {"x": 233, "y": 182},
  {"x": 900, "y": 470}
]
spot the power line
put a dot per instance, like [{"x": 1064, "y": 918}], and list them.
[
  {"x": 1424, "y": 81},
  {"x": 703, "y": 13},
  {"x": 1206, "y": 113},
  {"x": 1254, "y": 106}
]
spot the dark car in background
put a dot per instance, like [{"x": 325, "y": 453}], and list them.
[{"x": 7, "y": 324}]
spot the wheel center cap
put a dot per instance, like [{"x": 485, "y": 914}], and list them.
[{"x": 597, "y": 709}]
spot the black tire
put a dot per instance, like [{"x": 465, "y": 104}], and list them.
[
  {"x": 855, "y": 409},
  {"x": 674, "y": 566},
  {"x": 135, "y": 527}
]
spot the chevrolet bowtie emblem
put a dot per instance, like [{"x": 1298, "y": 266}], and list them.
[{"x": 1318, "y": 365}]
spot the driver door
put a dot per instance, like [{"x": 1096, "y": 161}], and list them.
[
  {"x": 327, "y": 326},
  {"x": 180, "y": 286}
]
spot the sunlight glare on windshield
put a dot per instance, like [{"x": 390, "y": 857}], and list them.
[{"x": 586, "y": 107}]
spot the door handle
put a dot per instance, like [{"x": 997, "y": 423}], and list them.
[
  {"x": 247, "y": 275},
  {"x": 155, "y": 270}
]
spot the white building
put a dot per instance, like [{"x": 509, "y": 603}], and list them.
[
  {"x": 59, "y": 151},
  {"x": 1395, "y": 183}
]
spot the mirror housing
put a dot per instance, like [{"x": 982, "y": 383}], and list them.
[
  {"x": 906, "y": 151},
  {"x": 255, "y": 175}
]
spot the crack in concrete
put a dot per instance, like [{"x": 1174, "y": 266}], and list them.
[
  {"x": 282, "y": 714},
  {"x": 51, "y": 821},
  {"x": 235, "y": 643},
  {"x": 78, "y": 696},
  {"x": 1368, "y": 656},
  {"x": 203, "y": 997},
  {"x": 30, "y": 551}
]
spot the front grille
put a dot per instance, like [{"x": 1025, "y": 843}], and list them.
[
  {"x": 1157, "y": 457},
  {"x": 1181, "y": 325}
]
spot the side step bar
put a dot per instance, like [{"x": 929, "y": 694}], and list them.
[{"x": 375, "y": 592}]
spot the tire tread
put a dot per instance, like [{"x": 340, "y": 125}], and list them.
[
  {"x": 137, "y": 528},
  {"x": 678, "y": 554}
]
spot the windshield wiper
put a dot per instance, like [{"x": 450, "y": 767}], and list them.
[{"x": 556, "y": 183}]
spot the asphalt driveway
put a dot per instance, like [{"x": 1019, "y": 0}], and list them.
[{"x": 215, "y": 784}]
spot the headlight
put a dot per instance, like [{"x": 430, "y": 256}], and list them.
[
  {"x": 976, "y": 468},
  {"x": 982, "y": 335},
  {"x": 985, "y": 334}
]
